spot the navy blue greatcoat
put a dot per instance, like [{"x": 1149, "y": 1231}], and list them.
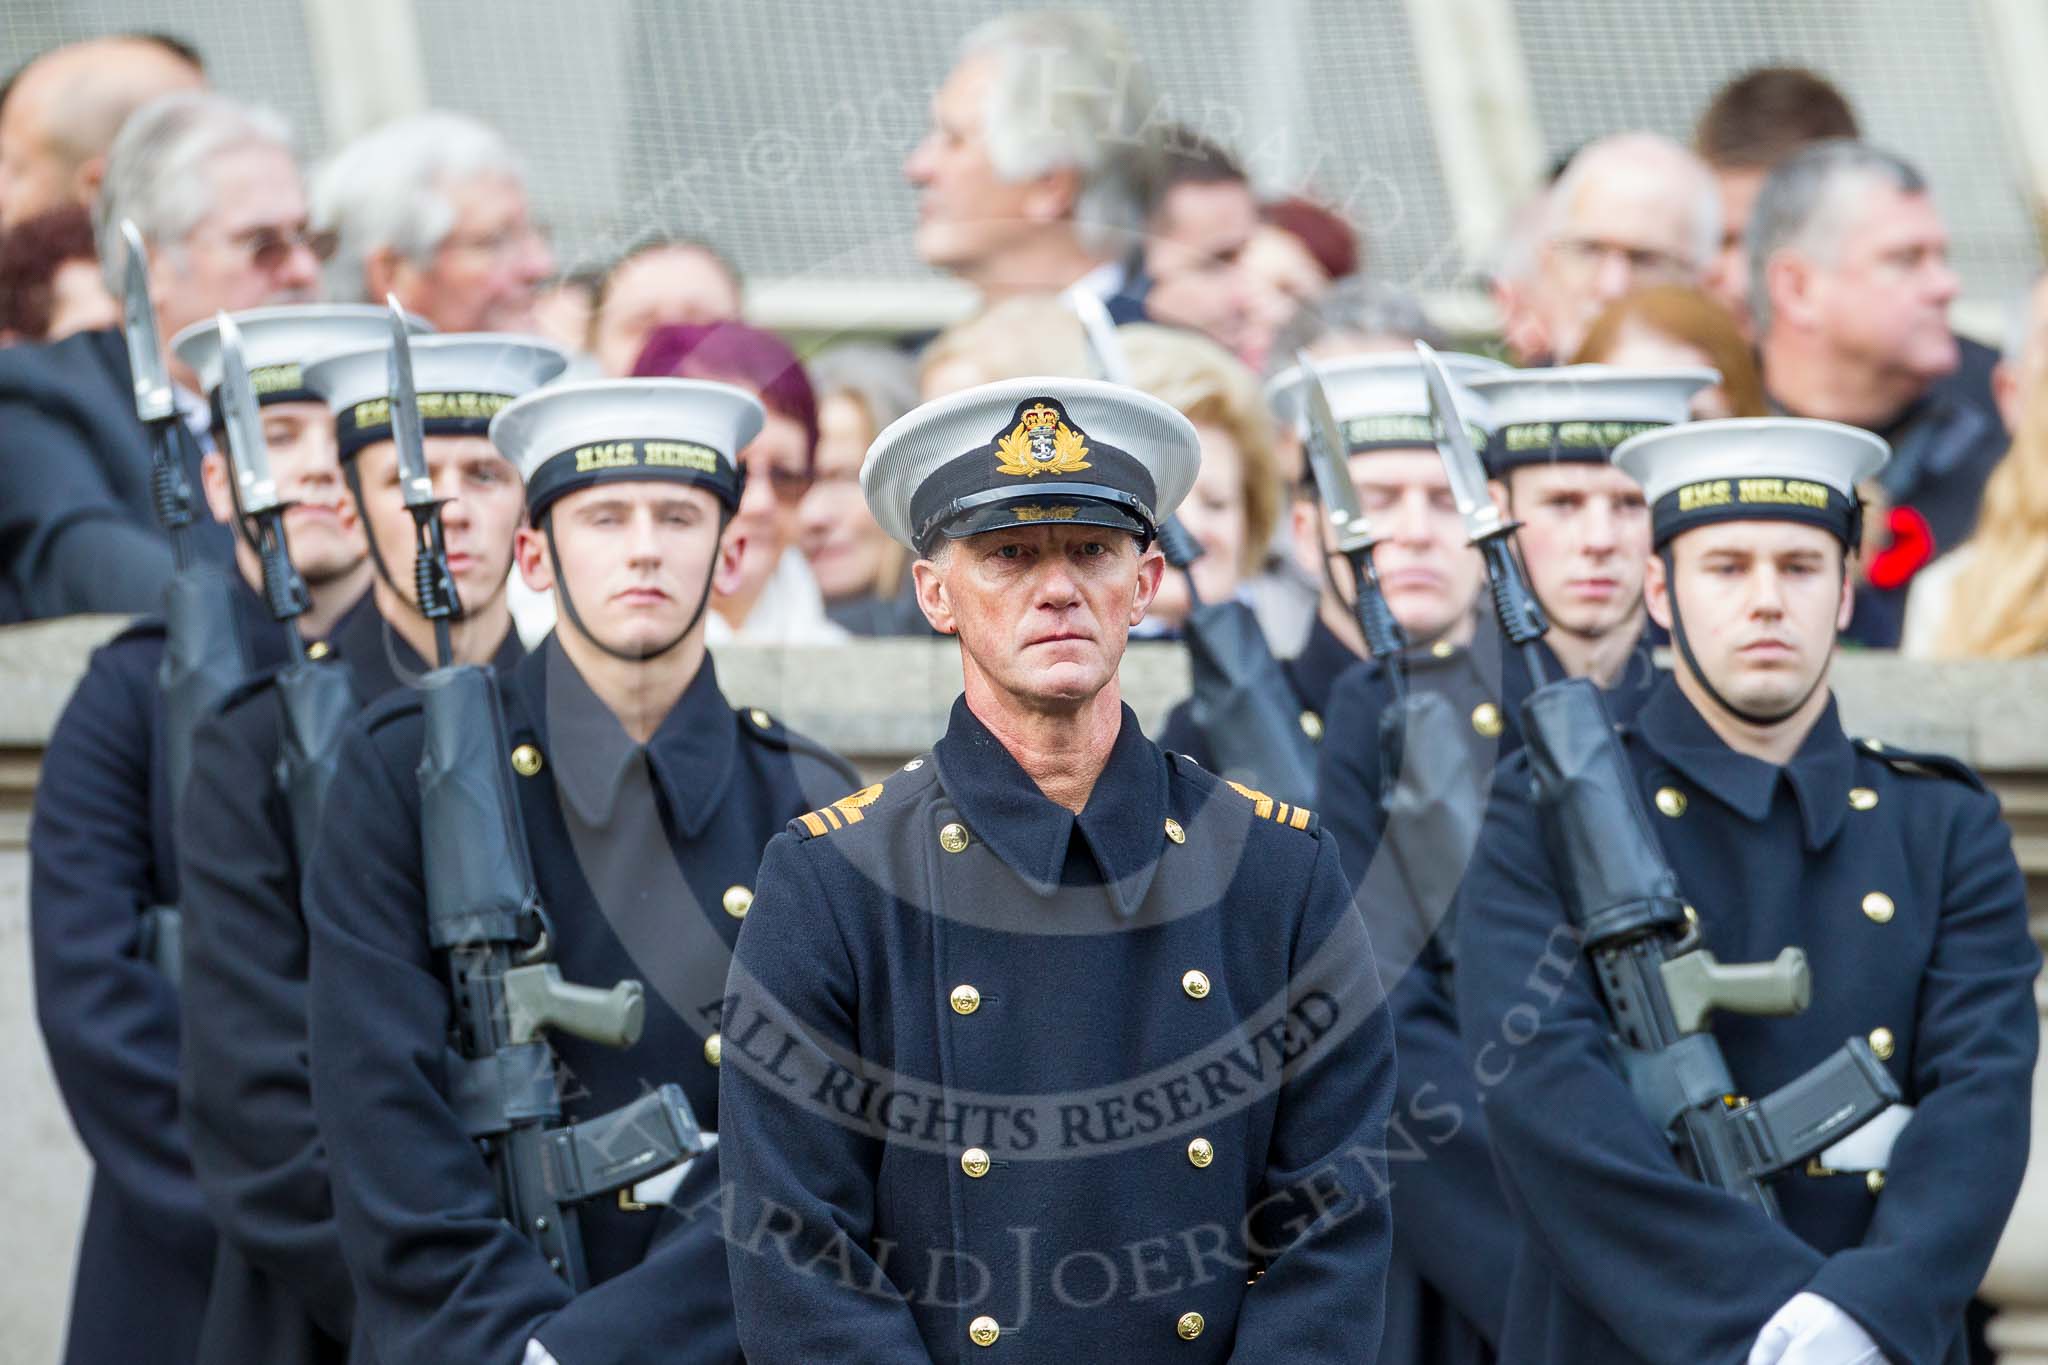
[
  {"x": 998, "y": 1075},
  {"x": 1895, "y": 874},
  {"x": 645, "y": 857}
]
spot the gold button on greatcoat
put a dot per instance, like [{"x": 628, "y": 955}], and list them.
[
  {"x": 953, "y": 837},
  {"x": 317, "y": 650},
  {"x": 714, "y": 1049},
  {"x": 737, "y": 901},
  {"x": 1190, "y": 1326},
  {"x": 1201, "y": 1152},
  {"x": 1174, "y": 831},
  {"x": 1486, "y": 719},
  {"x": 760, "y": 718},
  {"x": 1879, "y": 907},
  {"x": 966, "y": 999},
  {"x": 983, "y": 1331},
  {"x": 1195, "y": 982},
  {"x": 1312, "y": 726},
  {"x": 1873, "y": 1181},
  {"x": 1862, "y": 798},
  {"x": 974, "y": 1161},
  {"x": 1671, "y": 801},
  {"x": 1882, "y": 1044},
  {"x": 526, "y": 760},
  {"x": 1692, "y": 916},
  {"x": 1443, "y": 649}
]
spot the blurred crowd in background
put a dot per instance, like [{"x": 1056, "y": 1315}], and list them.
[{"x": 1805, "y": 265}]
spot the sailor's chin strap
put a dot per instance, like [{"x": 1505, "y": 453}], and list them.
[
  {"x": 1678, "y": 637},
  {"x": 547, "y": 527}
]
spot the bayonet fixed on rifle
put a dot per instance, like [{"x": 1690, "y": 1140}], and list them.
[
  {"x": 315, "y": 702},
  {"x": 204, "y": 652},
  {"x": 1659, "y": 984},
  {"x": 1329, "y": 463},
  {"x": 1521, "y": 616},
  {"x": 485, "y": 916},
  {"x": 433, "y": 584}
]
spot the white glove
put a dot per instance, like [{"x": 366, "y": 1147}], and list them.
[
  {"x": 537, "y": 1354},
  {"x": 1809, "y": 1330}
]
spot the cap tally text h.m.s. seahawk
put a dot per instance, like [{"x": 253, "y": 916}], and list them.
[
  {"x": 1754, "y": 469},
  {"x": 462, "y": 381},
  {"x": 571, "y": 436},
  {"x": 1026, "y": 452},
  {"x": 278, "y": 343},
  {"x": 1380, "y": 400},
  {"x": 1578, "y": 414}
]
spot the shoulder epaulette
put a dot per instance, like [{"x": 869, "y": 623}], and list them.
[
  {"x": 1265, "y": 807},
  {"x": 769, "y": 732},
  {"x": 1926, "y": 764},
  {"x": 847, "y": 810}
]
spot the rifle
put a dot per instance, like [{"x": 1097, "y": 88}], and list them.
[
  {"x": 485, "y": 915},
  {"x": 1659, "y": 984},
  {"x": 204, "y": 652},
  {"x": 316, "y": 702},
  {"x": 1431, "y": 814},
  {"x": 1239, "y": 691}
]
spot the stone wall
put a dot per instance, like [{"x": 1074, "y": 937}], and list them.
[{"x": 878, "y": 703}]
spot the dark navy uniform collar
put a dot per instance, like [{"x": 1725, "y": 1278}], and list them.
[
  {"x": 379, "y": 659},
  {"x": 691, "y": 752},
  {"x": 1123, "y": 826},
  {"x": 1820, "y": 773},
  {"x": 1314, "y": 668}
]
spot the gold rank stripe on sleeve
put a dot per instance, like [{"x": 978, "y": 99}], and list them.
[
  {"x": 841, "y": 813},
  {"x": 1279, "y": 812}
]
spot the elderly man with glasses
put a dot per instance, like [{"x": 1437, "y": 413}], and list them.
[
  {"x": 1631, "y": 210},
  {"x": 213, "y": 188}
]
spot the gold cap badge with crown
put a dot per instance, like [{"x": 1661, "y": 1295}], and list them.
[{"x": 1041, "y": 443}]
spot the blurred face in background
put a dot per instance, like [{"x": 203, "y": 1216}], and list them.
[
  {"x": 1619, "y": 231},
  {"x": 778, "y": 465},
  {"x": 487, "y": 273},
  {"x": 1195, "y": 258},
  {"x": 1880, "y": 299},
  {"x": 1728, "y": 278},
  {"x": 249, "y": 250},
  {"x": 839, "y": 536},
  {"x": 1214, "y": 514},
  {"x": 968, "y": 216},
  {"x": 657, "y": 288},
  {"x": 1281, "y": 278}
]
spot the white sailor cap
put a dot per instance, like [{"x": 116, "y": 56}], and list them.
[
  {"x": 1754, "y": 469},
  {"x": 1578, "y": 414},
  {"x": 1380, "y": 399},
  {"x": 462, "y": 380},
  {"x": 278, "y": 342},
  {"x": 1030, "y": 450},
  {"x": 570, "y": 436}
]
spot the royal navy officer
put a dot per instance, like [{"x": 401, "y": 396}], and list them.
[
  {"x": 1894, "y": 873},
  {"x": 102, "y": 852},
  {"x": 282, "y": 1291},
  {"x": 1429, "y": 574},
  {"x": 1584, "y": 539},
  {"x": 646, "y": 802},
  {"x": 1043, "y": 1047}
]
